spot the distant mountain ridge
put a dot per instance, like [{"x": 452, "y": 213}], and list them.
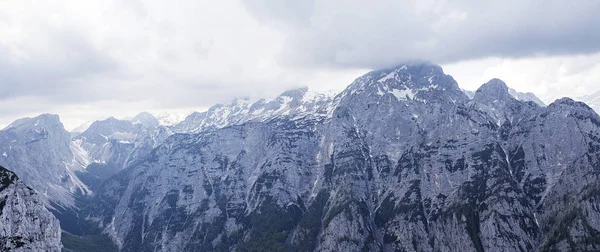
[
  {"x": 517, "y": 95},
  {"x": 296, "y": 103}
]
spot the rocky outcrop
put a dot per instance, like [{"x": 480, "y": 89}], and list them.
[{"x": 25, "y": 224}]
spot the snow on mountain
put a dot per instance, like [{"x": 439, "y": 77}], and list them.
[
  {"x": 469, "y": 93},
  {"x": 117, "y": 143},
  {"x": 111, "y": 145},
  {"x": 170, "y": 118},
  {"x": 296, "y": 103}
]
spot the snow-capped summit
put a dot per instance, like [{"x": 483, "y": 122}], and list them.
[
  {"x": 170, "y": 118},
  {"x": 415, "y": 82},
  {"x": 292, "y": 103}
]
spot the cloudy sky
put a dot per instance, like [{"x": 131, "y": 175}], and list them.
[{"x": 96, "y": 58}]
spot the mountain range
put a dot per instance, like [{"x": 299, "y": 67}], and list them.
[{"x": 401, "y": 160}]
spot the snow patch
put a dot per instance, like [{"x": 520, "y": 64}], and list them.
[
  {"x": 379, "y": 92},
  {"x": 391, "y": 75},
  {"x": 285, "y": 99},
  {"x": 403, "y": 94}
]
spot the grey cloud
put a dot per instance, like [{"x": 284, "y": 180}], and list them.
[
  {"x": 149, "y": 55},
  {"x": 379, "y": 33},
  {"x": 54, "y": 73},
  {"x": 293, "y": 12}
]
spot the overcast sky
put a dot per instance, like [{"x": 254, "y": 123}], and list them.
[{"x": 97, "y": 58}]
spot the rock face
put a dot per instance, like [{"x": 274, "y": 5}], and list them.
[
  {"x": 25, "y": 224},
  {"x": 110, "y": 145},
  {"x": 402, "y": 160},
  {"x": 39, "y": 151}
]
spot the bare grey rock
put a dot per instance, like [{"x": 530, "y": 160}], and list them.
[
  {"x": 25, "y": 224},
  {"x": 39, "y": 151}
]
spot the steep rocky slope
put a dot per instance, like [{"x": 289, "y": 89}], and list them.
[
  {"x": 25, "y": 224},
  {"x": 40, "y": 152},
  {"x": 108, "y": 146},
  {"x": 402, "y": 160}
]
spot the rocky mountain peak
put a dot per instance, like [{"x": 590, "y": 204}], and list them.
[
  {"x": 570, "y": 106},
  {"x": 494, "y": 89},
  {"x": 497, "y": 88},
  {"x": 45, "y": 126},
  {"x": 42, "y": 121},
  {"x": 145, "y": 119},
  {"x": 39, "y": 151},
  {"x": 420, "y": 82},
  {"x": 110, "y": 125}
]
